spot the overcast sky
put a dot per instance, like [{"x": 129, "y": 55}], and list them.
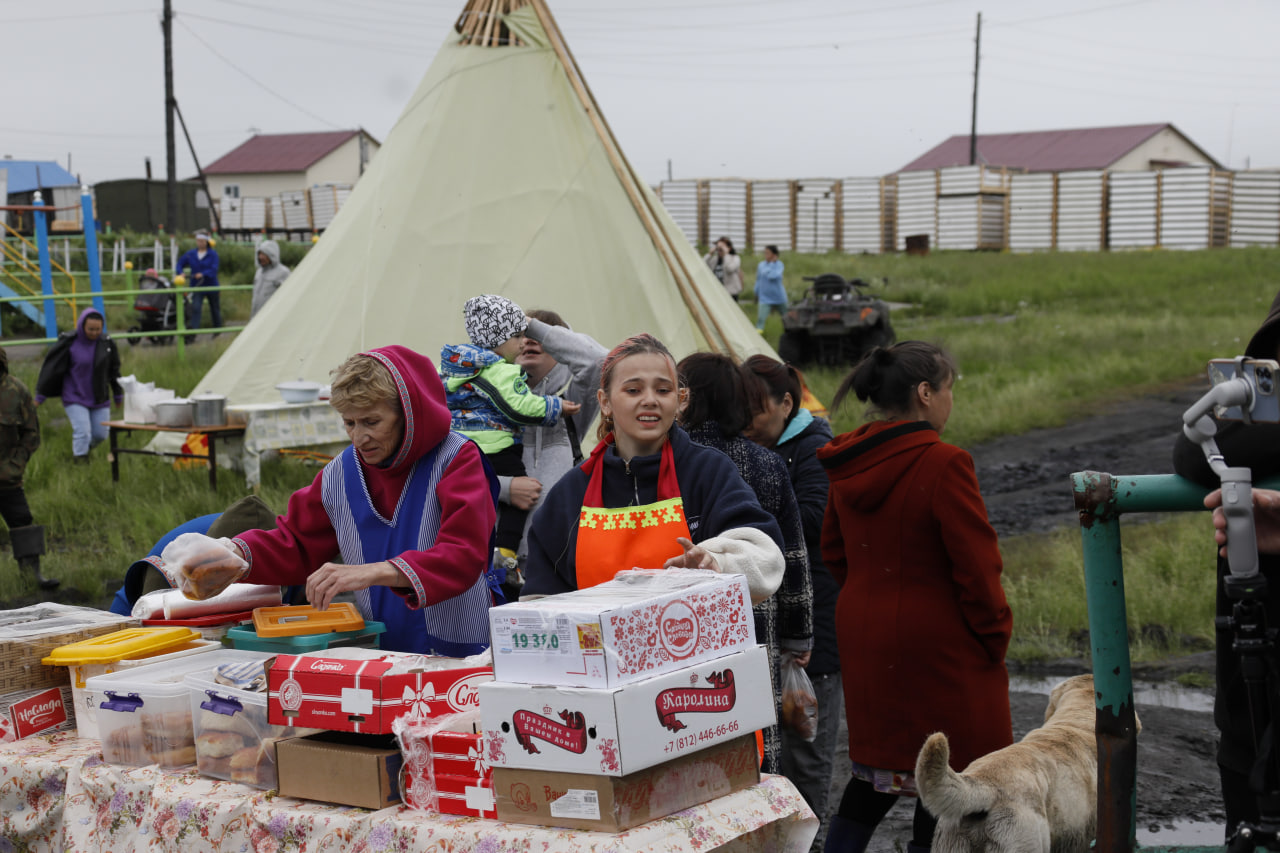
[{"x": 752, "y": 88}]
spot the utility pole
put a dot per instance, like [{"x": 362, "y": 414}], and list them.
[
  {"x": 170, "y": 145},
  {"x": 973, "y": 118}
]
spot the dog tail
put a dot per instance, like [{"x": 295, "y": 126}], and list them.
[{"x": 944, "y": 792}]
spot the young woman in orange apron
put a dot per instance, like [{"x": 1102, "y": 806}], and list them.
[{"x": 648, "y": 497}]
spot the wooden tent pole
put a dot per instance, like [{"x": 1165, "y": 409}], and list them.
[{"x": 629, "y": 181}]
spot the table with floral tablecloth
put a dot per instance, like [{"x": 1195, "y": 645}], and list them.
[{"x": 56, "y": 793}]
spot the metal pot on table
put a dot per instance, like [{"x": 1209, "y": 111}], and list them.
[
  {"x": 174, "y": 413},
  {"x": 210, "y": 409}
]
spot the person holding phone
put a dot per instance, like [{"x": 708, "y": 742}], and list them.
[{"x": 1255, "y": 446}]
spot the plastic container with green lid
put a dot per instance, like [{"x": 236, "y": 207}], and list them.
[
  {"x": 245, "y": 637},
  {"x": 120, "y": 650}
]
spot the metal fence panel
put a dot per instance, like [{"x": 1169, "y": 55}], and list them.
[
  {"x": 917, "y": 207},
  {"x": 727, "y": 211},
  {"x": 680, "y": 198},
  {"x": 275, "y": 212},
  {"x": 816, "y": 215},
  {"x": 229, "y": 213},
  {"x": 771, "y": 214},
  {"x": 1132, "y": 213},
  {"x": 326, "y": 200},
  {"x": 253, "y": 214},
  {"x": 297, "y": 212},
  {"x": 1080, "y": 211},
  {"x": 1031, "y": 202},
  {"x": 1255, "y": 209},
  {"x": 1185, "y": 208},
  {"x": 968, "y": 222},
  {"x": 861, "y": 218}
]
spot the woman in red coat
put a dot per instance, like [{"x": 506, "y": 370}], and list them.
[{"x": 922, "y": 621}]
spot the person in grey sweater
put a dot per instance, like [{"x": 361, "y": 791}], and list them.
[
  {"x": 268, "y": 276},
  {"x": 558, "y": 362}
]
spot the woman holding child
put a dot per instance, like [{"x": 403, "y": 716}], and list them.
[{"x": 710, "y": 519}]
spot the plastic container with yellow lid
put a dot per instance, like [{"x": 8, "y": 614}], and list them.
[{"x": 116, "y": 651}]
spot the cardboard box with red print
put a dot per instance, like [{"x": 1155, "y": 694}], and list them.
[
  {"x": 24, "y": 713},
  {"x": 363, "y": 690},
  {"x": 636, "y": 626},
  {"x": 624, "y": 729},
  {"x": 611, "y": 804}
]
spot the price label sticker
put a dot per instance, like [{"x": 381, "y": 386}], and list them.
[
  {"x": 533, "y": 635},
  {"x": 577, "y": 803}
]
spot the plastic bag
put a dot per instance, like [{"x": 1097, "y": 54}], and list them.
[
  {"x": 200, "y": 566},
  {"x": 799, "y": 702}
]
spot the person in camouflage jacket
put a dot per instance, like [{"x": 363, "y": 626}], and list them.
[{"x": 19, "y": 439}]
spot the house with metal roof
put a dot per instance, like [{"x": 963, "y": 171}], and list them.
[
  {"x": 272, "y": 163},
  {"x": 1131, "y": 148}
]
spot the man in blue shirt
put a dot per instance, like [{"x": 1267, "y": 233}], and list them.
[
  {"x": 770, "y": 294},
  {"x": 203, "y": 262}
]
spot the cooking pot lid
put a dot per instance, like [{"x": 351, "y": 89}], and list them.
[
  {"x": 298, "y": 385},
  {"x": 210, "y": 397}
]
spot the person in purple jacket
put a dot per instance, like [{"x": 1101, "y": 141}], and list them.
[
  {"x": 203, "y": 263},
  {"x": 83, "y": 368}
]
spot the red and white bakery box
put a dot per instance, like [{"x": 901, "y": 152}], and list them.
[
  {"x": 444, "y": 766},
  {"x": 24, "y": 713},
  {"x": 364, "y": 690},
  {"x": 638, "y": 625},
  {"x": 621, "y": 730}
]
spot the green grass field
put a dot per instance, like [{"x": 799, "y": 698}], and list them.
[{"x": 1041, "y": 339}]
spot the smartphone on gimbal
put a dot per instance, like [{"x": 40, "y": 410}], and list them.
[{"x": 1263, "y": 374}]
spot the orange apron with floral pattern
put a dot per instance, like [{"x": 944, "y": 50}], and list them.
[{"x": 644, "y": 537}]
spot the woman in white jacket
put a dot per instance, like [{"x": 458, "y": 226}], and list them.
[
  {"x": 268, "y": 276},
  {"x": 725, "y": 263}
]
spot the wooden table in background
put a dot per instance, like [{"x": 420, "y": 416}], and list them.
[{"x": 213, "y": 432}]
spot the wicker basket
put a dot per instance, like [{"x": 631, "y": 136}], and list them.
[{"x": 31, "y": 633}]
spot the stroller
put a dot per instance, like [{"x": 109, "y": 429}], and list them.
[{"x": 157, "y": 308}]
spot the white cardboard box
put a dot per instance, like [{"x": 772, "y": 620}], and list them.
[
  {"x": 638, "y": 625},
  {"x": 620, "y": 730}
]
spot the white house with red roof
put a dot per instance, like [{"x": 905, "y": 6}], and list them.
[{"x": 272, "y": 163}]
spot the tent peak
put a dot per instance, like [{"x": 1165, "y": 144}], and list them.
[{"x": 480, "y": 24}]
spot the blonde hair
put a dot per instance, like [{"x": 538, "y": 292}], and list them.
[{"x": 361, "y": 382}]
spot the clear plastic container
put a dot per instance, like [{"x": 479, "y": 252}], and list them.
[
  {"x": 234, "y": 741},
  {"x": 246, "y": 637},
  {"x": 121, "y": 650},
  {"x": 144, "y": 713}
]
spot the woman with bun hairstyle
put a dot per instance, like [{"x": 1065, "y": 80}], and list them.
[
  {"x": 700, "y": 512},
  {"x": 922, "y": 621}
]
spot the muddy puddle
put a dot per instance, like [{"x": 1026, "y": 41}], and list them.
[{"x": 1159, "y": 694}]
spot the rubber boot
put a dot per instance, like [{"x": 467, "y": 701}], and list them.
[
  {"x": 847, "y": 836},
  {"x": 28, "y": 545}
]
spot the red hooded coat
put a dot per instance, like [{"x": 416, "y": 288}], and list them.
[
  {"x": 922, "y": 621},
  {"x": 304, "y": 539}
]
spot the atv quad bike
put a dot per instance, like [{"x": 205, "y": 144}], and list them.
[{"x": 835, "y": 324}]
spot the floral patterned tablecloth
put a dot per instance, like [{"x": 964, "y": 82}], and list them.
[{"x": 56, "y": 793}]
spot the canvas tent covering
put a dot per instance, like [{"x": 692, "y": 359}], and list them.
[{"x": 499, "y": 177}]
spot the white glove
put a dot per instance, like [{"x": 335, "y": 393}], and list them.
[{"x": 200, "y": 566}]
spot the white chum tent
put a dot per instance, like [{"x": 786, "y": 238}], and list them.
[{"x": 501, "y": 176}]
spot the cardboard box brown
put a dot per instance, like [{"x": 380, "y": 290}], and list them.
[
  {"x": 624, "y": 729},
  {"x": 636, "y": 626},
  {"x": 613, "y": 804},
  {"x": 339, "y": 767}
]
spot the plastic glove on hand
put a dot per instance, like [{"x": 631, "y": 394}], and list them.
[{"x": 202, "y": 567}]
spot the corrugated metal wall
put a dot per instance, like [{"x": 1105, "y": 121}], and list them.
[
  {"x": 680, "y": 198},
  {"x": 917, "y": 207},
  {"x": 1193, "y": 207},
  {"x": 817, "y": 207},
  {"x": 1081, "y": 211},
  {"x": 771, "y": 214},
  {"x": 253, "y": 214},
  {"x": 1255, "y": 209},
  {"x": 862, "y": 228},
  {"x": 1031, "y": 206},
  {"x": 726, "y": 211},
  {"x": 1132, "y": 210},
  {"x": 325, "y": 203}
]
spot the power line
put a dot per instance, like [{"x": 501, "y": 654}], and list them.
[
  {"x": 264, "y": 87},
  {"x": 77, "y": 16},
  {"x": 382, "y": 47}
]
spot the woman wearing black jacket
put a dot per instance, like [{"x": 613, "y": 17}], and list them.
[{"x": 792, "y": 432}]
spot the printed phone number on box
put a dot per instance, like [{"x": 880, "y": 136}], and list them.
[{"x": 693, "y": 739}]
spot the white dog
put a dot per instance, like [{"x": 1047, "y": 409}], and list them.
[{"x": 1039, "y": 795}]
